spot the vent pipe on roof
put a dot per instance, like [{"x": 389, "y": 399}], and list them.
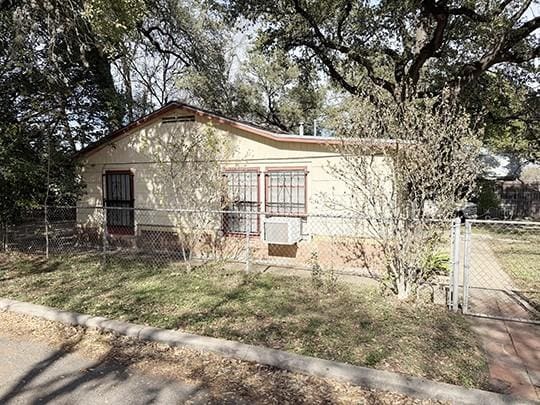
[
  {"x": 301, "y": 129},
  {"x": 315, "y": 127}
]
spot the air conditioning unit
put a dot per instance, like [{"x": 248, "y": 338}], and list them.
[{"x": 282, "y": 230}]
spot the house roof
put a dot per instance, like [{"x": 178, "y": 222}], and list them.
[{"x": 213, "y": 116}]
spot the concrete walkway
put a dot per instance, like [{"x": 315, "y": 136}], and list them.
[
  {"x": 492, "y": 291},
  {"x": 490, "y": 287},
  {"x": 513, "y": 354},
  {"x": 35, "y": 373},
  {"x": 512, "y": 348}
]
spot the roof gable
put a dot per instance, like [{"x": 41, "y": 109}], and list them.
[{"x": 212, "y": 116}]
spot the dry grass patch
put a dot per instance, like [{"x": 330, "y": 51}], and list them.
[
  {"x": 351, "y": 324},
  {"x": 227, "y": 380}
]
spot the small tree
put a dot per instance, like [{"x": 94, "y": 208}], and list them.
[
  {"x": 416, "y": 162},
  {"x": 189, "y": 179}
]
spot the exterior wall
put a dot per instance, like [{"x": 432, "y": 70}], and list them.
[{"x": 132, "y": 152}]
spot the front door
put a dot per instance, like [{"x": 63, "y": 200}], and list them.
[{"x": 119, "y": 197}]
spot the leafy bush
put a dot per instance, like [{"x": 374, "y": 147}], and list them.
[{"x": 436, "y": 264}]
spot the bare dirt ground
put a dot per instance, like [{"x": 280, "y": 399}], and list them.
[{"x": 218, "y": 379}]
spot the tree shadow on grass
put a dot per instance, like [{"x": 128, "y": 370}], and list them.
[
  {"x": 451, "y": 352},
  {"x": 32, "y": 266},
  {"x": 213, "y": 311},
  {"x": 413, "y": 339},
  {"x": 433, "y": 344}
]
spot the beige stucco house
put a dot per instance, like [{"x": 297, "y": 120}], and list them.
[{"x": 282, "y": 175}]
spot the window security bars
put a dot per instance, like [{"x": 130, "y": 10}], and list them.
[
  {"x": 243, "y": 197},
  {"x": 286, "y": 192},
  {"x": 119, "y": 194}
]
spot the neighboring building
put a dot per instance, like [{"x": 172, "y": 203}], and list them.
[
  {"x": 510, "y": 188},
  {"x": 517, "y": 199},
  {"x": 279, "y": 174}
]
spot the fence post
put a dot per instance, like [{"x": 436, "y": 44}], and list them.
[
  {"x": 46, "y": 231},
  {"x": 4, "y": 236},
  {"x": 3, "y": 232},
  {"x": 104, "y": 236},
  {"x": 454, "y": 279},
  {"x": 248, "y": 253},
  {"x": 451, "y": 275},
  {"x": 466, "y": 265}
]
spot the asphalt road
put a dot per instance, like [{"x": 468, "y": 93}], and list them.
[{"x": 35, "y": 373}]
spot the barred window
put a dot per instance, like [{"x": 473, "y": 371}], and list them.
[
  {"x": 242, "y": 197},
  {"x": 286, "y": 191}
]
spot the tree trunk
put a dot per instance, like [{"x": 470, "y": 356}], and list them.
[
  {"x": 126, "y": 74},
  {"x": 100, "y": 67},
  {"x": 403, "y": 288}
]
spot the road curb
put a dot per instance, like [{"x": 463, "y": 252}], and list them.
[{"x": 362, "y": 376}]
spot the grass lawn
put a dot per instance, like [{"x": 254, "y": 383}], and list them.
[
  {"x": 351, "y": 324},
  {"x": 522, "y": 262}
]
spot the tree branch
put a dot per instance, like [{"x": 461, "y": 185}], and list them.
[
  {"x": 345, "y": 12},
  {"x": 518, "y": 57},
  {"x": 526, "y": 4},
  {"x": 147, "y": 33},
  {"x": 469, "y": 13},
  {"x": 354, "y": 55},
  {"x": 428, "y": 50},
  {"x": 522, "y": 32},
  {"x": 501, "y": 52},
  {"x": 334, "y": 74}
]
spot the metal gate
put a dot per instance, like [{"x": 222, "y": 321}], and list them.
[{"x": 501, "y": 270}]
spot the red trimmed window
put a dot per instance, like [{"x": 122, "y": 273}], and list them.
[
  {"x": 243, "y": 198},
  {"x": 286, "y": 191}
]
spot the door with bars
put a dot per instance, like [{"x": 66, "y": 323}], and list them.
[{"x": 119, "y": 202}]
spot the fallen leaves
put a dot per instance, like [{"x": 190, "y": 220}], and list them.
[{"x": 226, "y": 380}]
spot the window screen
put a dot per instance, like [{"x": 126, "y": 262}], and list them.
[
  {"x": 286, "y": 192},
  {"x": 242, "y": 198}
]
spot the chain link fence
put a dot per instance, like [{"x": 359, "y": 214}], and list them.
[
  {"x": 493, "y": 268},
  {"x": 501, "y": 269},
  {"x": 119, "y": 236},
  {"x": 163, "y": 236}
]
